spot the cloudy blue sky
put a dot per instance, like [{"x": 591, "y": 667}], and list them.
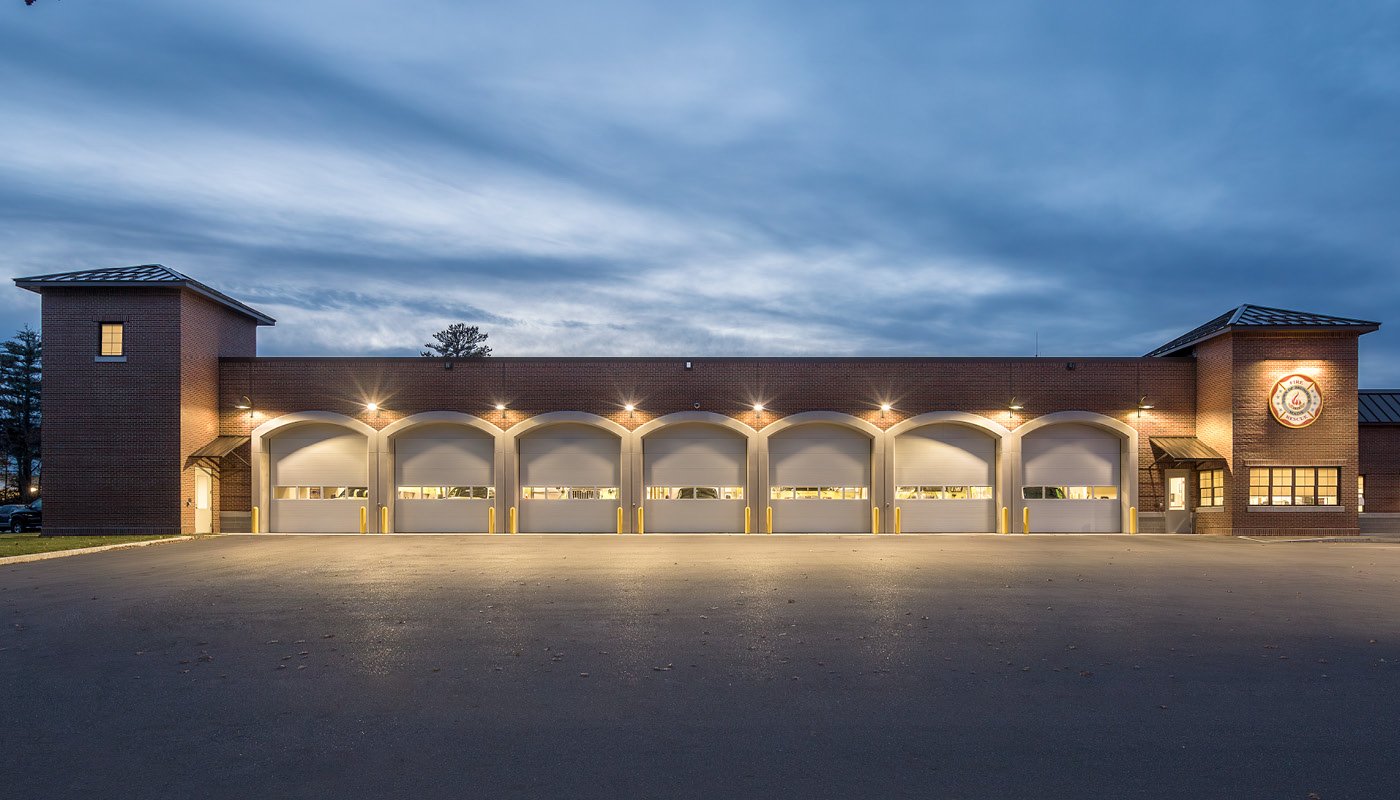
[{"x": 749, "y": 177}]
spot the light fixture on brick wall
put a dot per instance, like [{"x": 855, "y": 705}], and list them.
[
  {"x": 501, "y": 407},
  {"x": 1015, "y": 405},
  {"x": 630, "y": 409},
  {"x": 245, "y": 403},
  {"x": 885, "y": 409}
]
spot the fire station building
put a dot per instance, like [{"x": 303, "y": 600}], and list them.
[{"x": 160, "y": 417}]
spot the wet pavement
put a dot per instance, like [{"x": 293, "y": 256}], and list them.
[{"x": 678, "y": 667}]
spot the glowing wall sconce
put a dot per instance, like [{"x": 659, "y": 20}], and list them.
[{"x": 245, "y": 403}]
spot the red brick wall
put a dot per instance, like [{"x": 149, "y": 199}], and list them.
[
  {"x": 1215, "y": 397},
  {"x": 115, "y": 441},
  {"x": 1260, "y": 359},
  {"x": 659, "y": 386},
  {"x": 209, "y": 331},
  {"x": 111, "y": 430},
  {"x": 1379, "y": 457}
]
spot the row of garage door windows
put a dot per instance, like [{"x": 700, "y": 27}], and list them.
[{"x": 691, "y": 461}]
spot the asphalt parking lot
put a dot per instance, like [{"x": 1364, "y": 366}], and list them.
[{"x": 677, "y": 667}]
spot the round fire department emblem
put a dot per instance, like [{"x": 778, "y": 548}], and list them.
[{"x": 1296, "y": 401}]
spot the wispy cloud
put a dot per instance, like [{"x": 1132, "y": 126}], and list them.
[{"x": 722, "y": 178}]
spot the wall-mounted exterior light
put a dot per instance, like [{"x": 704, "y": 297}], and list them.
[
  {"x": 1015, "y": 405},
  {"x": 372, "y": 407},
  {"x": 758, "y": 408},
  {"x": 885, "y": 409},
  {"x": 245, "y": 403},
  {"x": 1144, "y": 404}
]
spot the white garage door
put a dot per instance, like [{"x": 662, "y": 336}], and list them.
[
  {"x": 570, "y": 480},
  {"x": 819, "y": 480},
  {"x": 444, "y": 479},
  {"x": 694, "y": 479},
  {"x": 945, "y": 480},
  {"x": 320, "y": 479},
  {"x": 1070, "y": 479}
]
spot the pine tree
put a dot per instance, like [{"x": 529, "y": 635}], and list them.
[
  {"x": 458, "y": 340},
  {"x": 21, "y": 368}
]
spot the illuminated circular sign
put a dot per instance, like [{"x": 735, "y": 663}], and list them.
[{"x": 1296, "y": 401}]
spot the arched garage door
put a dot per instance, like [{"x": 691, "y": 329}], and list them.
[
  {"x": 945, "y": 480},
  {"x": 444, "y": 479},
  {"x": 570, "y": 479},
  {"x": 1070, "y": 479},
  {"x": 819, "y": 479},
  {"x": 320, "y": 479},
  {"x": 694, "y": 476}
]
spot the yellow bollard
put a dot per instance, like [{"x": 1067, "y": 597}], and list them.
[
  {"x": 513, "y": 525},
  {"x": 898, "y": 525},
  {"x": 641, "y": 520},
  {"x": 875, "y": 520},
  {"x": 491, "y": 519},
  {"x": 619, "y": 520},
  {"x": 364, "y": 519},
  {"x": 1005, "y": 519},
  {"x": 1132, "y": 520},
  {"x": 748, "y": 519},
  {"x": 770, "y": 519},
  {"x": 383, "y": 519},
  {"x": 254, "y": 527},
  {"x": 1026, "y": 520}
]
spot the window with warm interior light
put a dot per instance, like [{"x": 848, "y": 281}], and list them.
[
  {"x": 695, "y": 493},
  {"x": 447, "y": 492},
  {"x": 819, "y": 493},
  {"x": 110, "y": 342},
  {"x": 1069, "y": 492},
  {"x": 1293, "y": 486},
  {"x": 320, "y": 492},
  {"x": 1360, "y": 493},
  {"x": 943, "y": 493},
  {"x": 569, "y": 493},
  {"x": 1211, "y": 486}
]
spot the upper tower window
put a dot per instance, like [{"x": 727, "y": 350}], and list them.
[{"x": 111, "y": 341}]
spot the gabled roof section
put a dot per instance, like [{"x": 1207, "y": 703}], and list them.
[
  {"x": 1378, "y": 407},
  {"x": 1260, "y": 317},
  {"x": 156, "y": 275}
]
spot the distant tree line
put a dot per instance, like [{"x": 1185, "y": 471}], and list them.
[{"x": 21, "y": 382}]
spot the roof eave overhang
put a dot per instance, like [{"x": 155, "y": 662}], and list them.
[
  {"x": 39, "y": 285},
  {"x": 1359, "y": 330}
]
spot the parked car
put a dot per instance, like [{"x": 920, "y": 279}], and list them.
[
  {"x": 5, "y": 512},
  {"x": 27, "y": 518}
]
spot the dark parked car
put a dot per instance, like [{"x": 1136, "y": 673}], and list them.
[
  {"x": 27, "y": 518},
  {"x": 5, "y": 512}
]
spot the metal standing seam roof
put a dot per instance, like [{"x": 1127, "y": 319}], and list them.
[
  {"x": 1251, "y": 316},
  {"x": 1185, "y": 448},
  {"x": 142, "y": 275},
  {"x": 1378, "y": 407}
]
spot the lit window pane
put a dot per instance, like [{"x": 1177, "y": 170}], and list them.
[
  {"x": 607, "y": 493},
  {"x": 285, "y": 493},
  {"x": 1105, "y": 492},
  {"x": 111, "y": 339},
  {"x": 980, "y": 492},
  {"x": 1032, "y": 492}
]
